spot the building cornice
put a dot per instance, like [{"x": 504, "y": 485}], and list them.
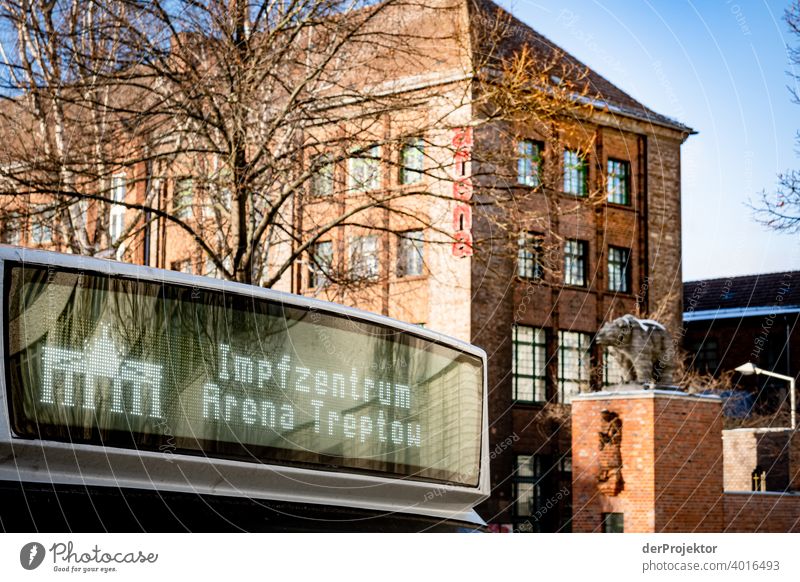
[
  {"x": 646, "y": 394},
  {"x": 739, "y": 312}
]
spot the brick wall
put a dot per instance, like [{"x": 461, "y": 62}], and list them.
[
  {"x": 636, "y": 501},
  {"x": 794, "y": 462},
  {"x": 500, "y": 298},
  {"x": 665, "y": 284},
  {"x": 767, "y": 449},
  {"x": 762, "y": 512},
  {"x": 672, "y": 462},
  {"x": 672, "y": 457},
  {"x": 688, "y": 464}
]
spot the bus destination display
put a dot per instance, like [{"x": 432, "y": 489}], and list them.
[{"x": 107, "y": 360}]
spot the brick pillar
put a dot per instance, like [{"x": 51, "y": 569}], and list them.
[
  {"x": 767, "y": 448},
  {"x": 794, "y": 462},
  {"x": 671, "y": 450}
]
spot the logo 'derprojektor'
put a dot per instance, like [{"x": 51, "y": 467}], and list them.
[{"x": 31, "y": 555}]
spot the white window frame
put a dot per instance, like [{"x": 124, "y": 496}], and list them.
[
  {"x": 576, "y": 173},
  {"x": 410, "y": 254},
  {"x": 529, "y": 363},
  {"x": 364, "y": 169},
  {"x": 574, "y": 351},
  {"x": 322, "y": 182},
  {"x": 412, "y": 161},
  {"x": 42, "y": 228},
  {"x": 319, "y": 265},
  {"x": 619, "y": 260},
  {"x": 529, "y": 162},
  {"x": 182, "y": 202},
  {"x": 116, "y": 217},
  {"x": 618, "y": 181},
  {"x": 13, "y": 228},
  {"x": 529, "y": 255},
  {"x": 363, "y": 257},
  {"x": 576, "y": 262}
]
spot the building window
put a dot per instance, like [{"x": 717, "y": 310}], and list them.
[
  {"x": 211, "y": 269},
  {"x": 116, "y": 219},
  {"x": 226, "y": 195},
  {"x": 618, "y": 270},
  {"x": 365, "y": 169},
  {"x": 613, "y": 374},
  {"x": 219, "y": 193},
  {"x": 410, "y": 253},
  {"x": 613, "y": 523},
  {"x": 576, "y": 173},
  {"x": 529, "y": 256},
  {"x": 575, "y": 262},
  {"x": 184, "y": 266},
  {"x": 573, "y": 364},
  {"x": 364, "y": 257},
  {"x": 527, "y": 488},
  {"x": 529, "y": 162},
  {"x": 618, "y": 182},
  {"x": 42, "y": 229},
  {"x": 319, "y": 265},
  {"x": 412, "y": 161},
  {"x": 12, "y": 229},
  {"x": 529, "y": 363},
  {"x": 706, "y": 356},
  {"x": 322, "y": 181},
  {"x": 184, "y": 198}
]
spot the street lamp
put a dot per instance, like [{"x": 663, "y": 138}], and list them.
[{"x": 749, "y": 369}]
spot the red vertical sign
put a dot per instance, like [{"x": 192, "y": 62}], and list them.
[{"x": 462, "y": 192}]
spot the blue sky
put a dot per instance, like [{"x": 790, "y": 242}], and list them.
[{"x": 719, "y": 66}]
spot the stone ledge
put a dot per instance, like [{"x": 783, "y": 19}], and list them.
[
  {"x": 764, "y": 493},
  {"x": 646, "y": 393},
  {"x": 757, "y": 430}
]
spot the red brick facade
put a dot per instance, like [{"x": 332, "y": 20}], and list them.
[
  {"x": 672, "y": 467},
  {"x": 672, "y": 462},
  {"x": 649, "y": 227},
  {"x": 747, "y": 512}
]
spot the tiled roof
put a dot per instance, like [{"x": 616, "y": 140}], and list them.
[
  {"x": 749, "y": 291},
  {"x": 609, "y": 95}
]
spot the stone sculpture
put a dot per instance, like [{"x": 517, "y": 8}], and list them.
[{"x": 642, "y": 347}]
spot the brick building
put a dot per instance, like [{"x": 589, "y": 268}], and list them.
[
  {"x": 537, "y": 321},
  {"x": 677, "y": 470},
  {"x": 590, "y": 230},
  {"x": 753, "y": 318}
]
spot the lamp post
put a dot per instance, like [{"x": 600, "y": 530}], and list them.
[{"x": 749, "y": 369}]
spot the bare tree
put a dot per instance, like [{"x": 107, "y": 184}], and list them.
[
  {"x": 251, "y": 132},
  {"x": 780, "y": 210},
  {"x": 60, "y": 138},
  {"x": 533, "y": 99}
]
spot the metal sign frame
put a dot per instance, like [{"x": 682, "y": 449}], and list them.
[{"x": 45, "y": 461}]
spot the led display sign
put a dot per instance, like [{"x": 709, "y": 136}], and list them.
[{"x": 104, "y": 359}]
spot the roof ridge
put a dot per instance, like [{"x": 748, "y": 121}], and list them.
[
  {"x": 726, "y": 278},
  {"x": 623, "y": 102}
]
